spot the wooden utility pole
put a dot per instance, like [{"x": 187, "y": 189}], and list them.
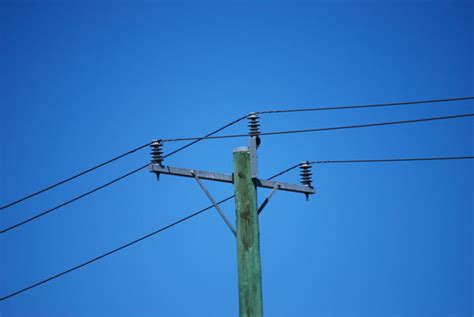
[
  {"x": 248, "y": 237},
  {"x": 245, "y": 180}
]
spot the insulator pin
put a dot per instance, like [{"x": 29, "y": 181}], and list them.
[
  {"x": 305, "y": 174},
  {"x": 156, "y": 152},
  {"x": 254, "y": 124}
]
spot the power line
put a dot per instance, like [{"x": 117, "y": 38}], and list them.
[
  {"x": 206, "y": 136},
  {"x": 392, "y": 104},
  {"x": 237, "y": 120},
  {"x": 326, "y": 129},
  {"x": 395, "y": 160},
  {"x": 112, "y": 251},
  {"x": 231, "y": 123},
  {"x": 112, "y": 160},
  {"x": 285, "y": 171},
  {"x": 209, "y": 136},
  {"x": 43, "y": 213},
  {"x": 123, "y": 246},
  {"x": 73, "y": 177},
  {"x": 209, "y": 207}
]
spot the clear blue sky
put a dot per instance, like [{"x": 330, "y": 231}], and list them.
[{"x": 84, "y": 81}]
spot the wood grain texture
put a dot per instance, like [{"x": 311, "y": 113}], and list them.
[{"x": 248, "y": 238}]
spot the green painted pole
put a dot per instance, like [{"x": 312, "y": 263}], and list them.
[{"x": 248, "y": 237}]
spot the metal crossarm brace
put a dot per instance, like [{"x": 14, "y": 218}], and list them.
[
  {"x": 226, "y": 178},
  {"x": 213, "y": 201},
  {"x": 265, "y": 202},
  {"x": 186, "y": 172}
]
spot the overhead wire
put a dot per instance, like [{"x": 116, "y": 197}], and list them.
[
  {"x": 195, "y": 140},
  {"x": 206, "y": 136},
  {"x": 391, "y": 160},
  {"x": 285, "y": 171},
  {"x": 48, "y": 211},
  {"x": 391, "y": 104},
  {"x": 126, "y": 245},
  {"x": 358, "y": 126},
  {"x": 412, "y": 159},
  {"x": 110, "y": 161},
  {"x": 209, "y": 136},
  {"x": 112, "y": 251},
  {"x": 210, "y": 207},
  {"x": 73, "y": 176}
]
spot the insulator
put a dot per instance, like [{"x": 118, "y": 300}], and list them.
[
  {"x": 254, "y": 124},
  {"x": 156, "y": 152},
  {"x": 305, "y": 174}
]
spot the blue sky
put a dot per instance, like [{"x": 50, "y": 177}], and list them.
[{"x": 82, "y": 82}]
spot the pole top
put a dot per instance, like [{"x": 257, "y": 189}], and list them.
[{"x": 241, "y": 149}]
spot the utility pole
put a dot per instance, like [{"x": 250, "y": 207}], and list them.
[
  {"x": 245, "y": 180},
  {"x": 248, "y": 237}
]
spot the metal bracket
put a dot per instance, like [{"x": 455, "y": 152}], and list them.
[
  {"x": 265, "y": 202},
  {"x": 219, "y": 210},
  {"x": 253, "y": 156},
  {"x": 186, "y": 172},
  {"x": 284, "y": 186},
  {"x": 225, "y": 178}
]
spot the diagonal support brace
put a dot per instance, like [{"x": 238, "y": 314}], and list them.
[
  {"x": 213, "y": 201},
  {"x": 265, "y": 202}
]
